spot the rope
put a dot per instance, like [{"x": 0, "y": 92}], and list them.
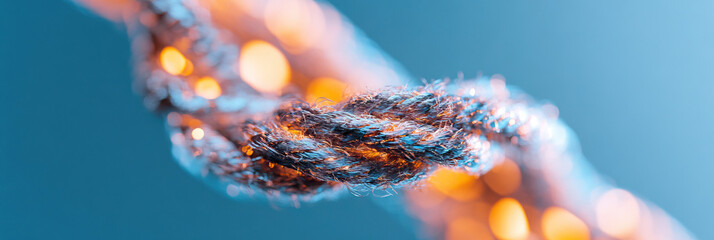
[
  {"x": 381, "y": 140},
  {"x": 286, "y": 149},
  {"x": 378, "y": 140}
]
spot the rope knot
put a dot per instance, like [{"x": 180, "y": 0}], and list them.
[{"x": 371, "y": 140}]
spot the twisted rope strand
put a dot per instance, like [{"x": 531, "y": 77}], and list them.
[
  {"x": 394, "y": 137},
  {"x": 306, "y": 149},
  {"x": 363, "y": 150},
  {"x": 426, "y": 105},
  {"x": 381, "y": 139}
]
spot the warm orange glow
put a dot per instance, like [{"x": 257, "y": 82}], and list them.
[
  {"x": 504, "y": 178},
  {"x": 617, "y": 213},
  {"x": 559, "y": 224},
  {"x": 263, "y": 66},
  {"x": 188, "y": 69},
  {"x": 172, "y": 60},
  {"x": 197, "y": 133},
  {"x": 467, "y": 229},
  {"x": 508, "y": 220},
  {"x": 455, "y": 184},
  {"x": 298, "y": 24},
  {"x": 207, "y": 88},
  {"x": 190, "y": 121},
  {"x": 329, "y": 88}
]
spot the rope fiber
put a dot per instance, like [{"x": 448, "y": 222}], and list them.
[
  {"x": 382, "y": 139},
  {"x": 376, "y": 140}
]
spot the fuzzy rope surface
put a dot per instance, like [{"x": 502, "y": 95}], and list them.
[
  {"x": 375, "y": 140},
  {"x": 245, "y": 141}
]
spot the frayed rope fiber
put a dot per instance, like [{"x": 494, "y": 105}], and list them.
[{"x": 382, "y": 139}]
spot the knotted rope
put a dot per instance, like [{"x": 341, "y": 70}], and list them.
[
  {"x": 282, "y": 146},
  {"x": 374, "y": 140},
  {"x": 384, "y": 139}
]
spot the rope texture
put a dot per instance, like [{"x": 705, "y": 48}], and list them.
[
  {"x": 374, "y": 140},
  {"x": 385, "y": 139}
]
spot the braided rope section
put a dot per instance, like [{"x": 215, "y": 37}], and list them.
[
  {"x": 371, "y": 141},
  {"x": 361, "y": 148},
  {"x": 378, "y": 140},
  {"x": 245, "y": 141}
]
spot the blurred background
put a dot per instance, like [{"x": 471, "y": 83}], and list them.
[{"x": 81, "y": 158}]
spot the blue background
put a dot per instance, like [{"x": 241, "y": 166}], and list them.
[{"x": 81, "y": 158}]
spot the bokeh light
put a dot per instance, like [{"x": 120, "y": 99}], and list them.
[
  {"x": 197, "y": 133},
  {"x": 172, "y": 60},
  {"x": 325, "y": 87},
  {"x": 298, "y": 24},
  {"x": 456, "y": 184},
  {"x": 559, "y": 224},
  {"x": 508, "y": 219},
  {"x": 504, "y": 178},
  {"x": 208, "y": 88},
  {"x": 263, "y": 66},
  {"x": 617, "y": 213}
]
